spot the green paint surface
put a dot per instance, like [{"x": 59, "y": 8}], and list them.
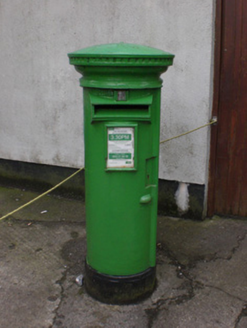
[{"x": 121, "y": 227}]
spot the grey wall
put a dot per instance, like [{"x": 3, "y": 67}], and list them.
[{"x": 41, "y": 117}]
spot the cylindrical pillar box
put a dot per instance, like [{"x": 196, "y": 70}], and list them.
[{"x": 121, "y": 84}]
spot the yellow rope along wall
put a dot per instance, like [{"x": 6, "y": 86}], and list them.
[
  {"x": 213, "y": 121},
  {"x": 42, "y": 195},
  {"x": 72, "y": 175}
]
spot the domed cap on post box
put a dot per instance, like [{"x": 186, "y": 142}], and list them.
[
  {"x": 121, "y": 65},
  {"x": 121, "y": 54}
]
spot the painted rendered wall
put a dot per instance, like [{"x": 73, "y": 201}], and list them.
[{"x": 41, "y": 117}]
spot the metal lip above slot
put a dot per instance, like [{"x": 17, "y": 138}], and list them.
[{"x": 138, "y": 109}]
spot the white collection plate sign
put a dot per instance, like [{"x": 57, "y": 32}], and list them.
[{"x": 120, "y": 147}]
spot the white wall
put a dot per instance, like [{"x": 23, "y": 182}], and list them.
[{"x": 41, "y": 101}]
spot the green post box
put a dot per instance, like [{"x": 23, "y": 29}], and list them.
[{"x": 121, "y": 84}]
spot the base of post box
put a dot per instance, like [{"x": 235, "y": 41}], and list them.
[{"x": 120, "y": 289}]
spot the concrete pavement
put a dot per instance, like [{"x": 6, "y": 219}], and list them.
[{"x": 201, "y": 271}]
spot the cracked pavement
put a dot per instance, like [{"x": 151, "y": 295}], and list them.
[{"x": 201, "y": 271}]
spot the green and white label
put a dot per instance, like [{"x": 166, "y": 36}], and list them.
[{"x": 120, "y": 147}]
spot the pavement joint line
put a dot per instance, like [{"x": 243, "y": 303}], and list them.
[
  {"x": 242, "y": 314},
  {"x": 14, "y": 220},
  {"x": 153, "y": 311},
  {"x": 239, "y": 242},
  {"x": 183, "y": 271},
  {"x": 159, "y": 305},
  {"x": 181, "y": 268},
  {"x": 232, "y": 252},
  {"x": 225, "y": 292},
  {"x": 60, "y": 282}
]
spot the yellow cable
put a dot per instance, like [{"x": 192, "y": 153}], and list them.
[
  {"x": 183, "y": 134},
  {"x": 72, "y": 175},
  {"x": 45, "y": 193}
]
